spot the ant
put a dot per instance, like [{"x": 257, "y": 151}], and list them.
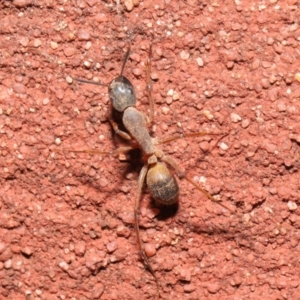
[{"x": 160, "y": 181}]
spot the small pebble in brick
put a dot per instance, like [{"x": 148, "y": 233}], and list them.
[
  {"x": 235, "y": 117},
  {"x": 199, "y": 61},
  {"x": 213, "y": 288},
  {"x": 208, "y": 114},
  {"x": 292, "y": 205},
  {"x": 297, "y": 77},
  {"x": 63, "y": 265},
  {"x": 129, "y": 5},
  {"x": 53, "y": 45},
  {"x": 22, "y": 3},
  {"x": 223, "y": 146},
  {"x": 150, "y": 249},
  {"x": 26, "y": 250},
  {"x": 69, "y": 51},
  {"x": 188, "y": 288},
  {"x": 184, "y": 55},
  {"x": 281, "y": 106},
  {"x": 79, "y": 248},
  {"x": 111, "y": 247},
  {"x": 185, "y": 274}
]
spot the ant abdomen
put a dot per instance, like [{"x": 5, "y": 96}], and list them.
[
  {"x": 162, "y": 184},
  {"x": 121, "y": 93}
]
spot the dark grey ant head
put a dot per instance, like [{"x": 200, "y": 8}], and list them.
[{"x": 121, "y": 93}]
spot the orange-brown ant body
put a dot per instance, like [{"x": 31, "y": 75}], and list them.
[{"x": 160, "y": 181}]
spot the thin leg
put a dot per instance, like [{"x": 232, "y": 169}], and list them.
[
  {"x": 187, "y": 135},
  {"x": 181, "y": 174},
  {"x": 145, "y": 259},
  {"x": 149, "y": 83},
  {"x": 113, "y": 153},
  {"x": 119, "y": 132},
  {"x": 48, "y": 57},
  {"x": 171, "y": 162}
]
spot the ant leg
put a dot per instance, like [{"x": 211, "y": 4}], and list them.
[
  {"x": 187, "y": 135},
  {"x": 48, "y": 57},
  {"x": 113, "y": 153},
  {"x": 195, "y": 134},
  {"x": 119, "y": 132},
  {"x": 181, "y": 174},
  {"x": 149, "y": 83},
  {"x": 145, "y": 259}
]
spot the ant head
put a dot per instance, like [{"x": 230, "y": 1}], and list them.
[{"x": 121, "y": 93}]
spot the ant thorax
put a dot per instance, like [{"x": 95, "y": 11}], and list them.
[{"x": 135, "y": 123}]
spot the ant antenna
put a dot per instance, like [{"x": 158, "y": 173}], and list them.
[
  {"x": 125, "y": 60},
  {"x": 91, "y": 82}
]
